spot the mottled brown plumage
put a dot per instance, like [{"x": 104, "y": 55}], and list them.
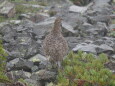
[{"x": 55, "y": 45}]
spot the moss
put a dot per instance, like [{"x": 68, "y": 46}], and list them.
[{"x": 84, "y": 69}]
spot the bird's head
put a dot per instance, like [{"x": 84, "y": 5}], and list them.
[{"x": 58, "y": 21}]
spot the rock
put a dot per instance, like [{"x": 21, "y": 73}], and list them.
[
  {"x": 101, "y": 8},
  {"x": 50, "y": 84},
  {"x": 37, "y": 59},
  {"x": 44, "y": 27},
  {"x": 1, "y": 1},
  {"x": 106, "y": 40},
  {"x": 74, "y": 19},
  {"x": 79, "y": 9},
  {"x": 2, "y": 84},
  {"x": 68, "y": 29},
  {"x": 33, "y": 82},
  {"x": 7, "y": 9},
  {"x": 95, "y": 49},
  {"x": 19, "y": 75},
  {"x": 89, "y": 48},
  {"x": 113, "y": 57},
  {"x": 73, "y": 41},
  {"x": 19, "y": 64},
  {"x": 35, "y": 68},
  {"x": 19, "y": 40},
  {"x": 34, "y": 17},
  {"x": 100, "y": 3},
  {"x": 100, "y": 29},
  {"x": 106, "y": 47},
  {"x": 45, "y": 65},
  {"x": 112, "y": 26},
  {"x": 43, "y": 75},
  {"x": 99, "y": 18}
]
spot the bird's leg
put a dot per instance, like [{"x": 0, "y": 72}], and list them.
[
  {"x": 53, "y": 64},
  {"x": 48, "y": 66},
  {"x": 58, "y": 64}
]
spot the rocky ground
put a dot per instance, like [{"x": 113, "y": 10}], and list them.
[{"x": 88, "y": 28}]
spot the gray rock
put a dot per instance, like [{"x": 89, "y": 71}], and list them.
[
  {"x": 112, "y": 26},
  {"x": 1, "y": 1},
  {"x": 89, "y": 48},
  {"x": 106, "y": 47},
  {"x": 68, "y": 29},
  {"x": 79, "y": 9},
  {"x": 7, "y": 9},
  {"x": 34, "y": 68},
  {"x": 40, "y": 61},
  {"x": 44, "y": 27},
  {"x": 37, "y": 59},
  {"x": 73, "y": 41},
  {"x": 19, "y": 40},
  {"x": 113, "y": 56},
  {"x": 19, "y": 75},
  {"x": 106, "y": 40},
  {"x": 99, "y": 18},
  {"x": 43, "y": 75},
  {"x": 33, "y": 82},
  {"x": 19, "y": 64},
  {"x": 34, "y": 17},
  {"x": 92, "y": 48},
  {"x": 100, "y": 29},
  {"x": 74, "y": 19},
  {"x": 100, "y": 3},
  {"x": 2, "y": 84},
  {"x": 103, "y": 48}
]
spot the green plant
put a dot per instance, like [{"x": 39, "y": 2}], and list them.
[
  {"x": 3, "y": 77},
  {"x": 112, "y": 33},
  {"x": 84, "y": 69}
]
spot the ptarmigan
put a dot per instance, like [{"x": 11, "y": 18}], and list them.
[{"x": 54, "y": 45}]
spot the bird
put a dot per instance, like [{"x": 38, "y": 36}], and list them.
[{"x": 54, "y": 45}]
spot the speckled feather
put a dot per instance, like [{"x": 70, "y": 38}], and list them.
[{"x": 55, "y": 45}]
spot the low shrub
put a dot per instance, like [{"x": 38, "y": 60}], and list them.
[{"x": 84, "y": 69}]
